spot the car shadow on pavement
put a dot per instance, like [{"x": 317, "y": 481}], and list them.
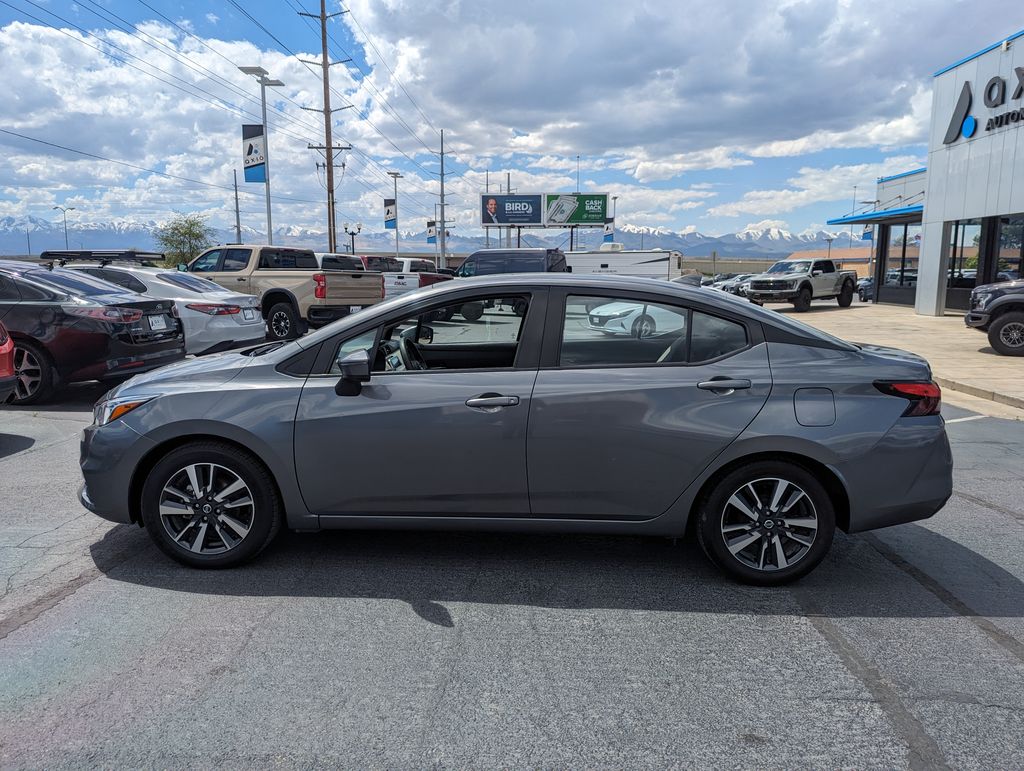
[
  {"x": 12, "y": 444},
  {"x": 862, "y": 576},
  {"x": 79, "y": 397}
]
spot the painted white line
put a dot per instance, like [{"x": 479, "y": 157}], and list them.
[{"x": 969, "y": 417}]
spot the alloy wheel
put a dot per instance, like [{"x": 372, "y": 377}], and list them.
[
  {"x": 769, "y": 524},
  {"x": 1012, "y": 334},
  {"x": 206, "y": 508},
  {"x": 281, "y": 324},
  {"x": 28, "y": 373}
]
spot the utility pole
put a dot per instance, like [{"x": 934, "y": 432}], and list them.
[
  {"x": 328, "y": 147},
  {"x": 29, "y": 238},
  {"x": 396, "y": 176},
  {"x": 262, "y": 78},
  {"x": 238, "y": 216},
  {"x": 65, "y": 211},
  {"x": 852, "y": 212},
  {"x": 508, "y": 190},
  {"x": 444, "y": 223}
]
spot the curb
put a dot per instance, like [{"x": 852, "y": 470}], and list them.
[{"x": 981, "y": 393}]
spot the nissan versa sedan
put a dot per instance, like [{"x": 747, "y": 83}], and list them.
[{"x": 759, "y": 434}]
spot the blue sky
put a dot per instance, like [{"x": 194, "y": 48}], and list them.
[{"x": 698, "y": 116}]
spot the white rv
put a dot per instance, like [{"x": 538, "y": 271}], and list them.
[{"x": 614, "y": 259}]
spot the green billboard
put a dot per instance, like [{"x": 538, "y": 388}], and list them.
[{"x": 565, "y": 209}]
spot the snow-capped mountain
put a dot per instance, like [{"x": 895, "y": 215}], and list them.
[{"x": 31, "y": 235}]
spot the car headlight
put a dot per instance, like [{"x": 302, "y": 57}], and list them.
[
  {"x": 109, "y": 410},
  {"x": 981, "y": 300}
]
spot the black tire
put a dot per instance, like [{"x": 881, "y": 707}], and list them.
[
  {"x": 644, "y": 326},
  {"x": 846, "y": 295},
  {"x": 472, "y": 311},
  {"x": 519, "y": 308},
  {"x": 34, "y": 374},
  {"x": 862, "y": 296},
  {"x": 716, "y": 512},
  {"x": 264, "y": 519},
  {"x": 282, "y": 322},
  {"x": 802, "y": 302},
  {"x": 1006, "y": 334}
]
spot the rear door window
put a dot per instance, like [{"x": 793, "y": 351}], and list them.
[
  {"x": 8, "y": 290},
  {"x": 235, "y": 260}
]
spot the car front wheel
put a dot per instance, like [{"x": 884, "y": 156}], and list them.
[
  {"x": 767, "y": 524},
  {"x": 210, "y": 505},
  {"x": 1006, "y": 334},
  {"x": 802, "y": 303}
]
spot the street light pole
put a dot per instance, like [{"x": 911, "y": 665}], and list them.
[
  {"x": 353, "y": 233},
  {"x": 396, "y": 176},
  {"x": 64, "y": 211},
  {"x": 262, "y": 78},
  {"x": 615, "y": 199}
]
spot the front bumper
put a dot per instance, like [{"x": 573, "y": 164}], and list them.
[
  {"x": 772, "y": 295},
  {"x": 109, "y": 456},
  {"x": 977, "y": 319}
]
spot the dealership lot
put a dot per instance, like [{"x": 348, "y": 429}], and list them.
[{"x": 905, "y": 648}]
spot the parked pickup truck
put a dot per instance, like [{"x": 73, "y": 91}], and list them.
[
  {"x": 998, "y": 309},
  {"x": 800, "y": 281},
  {"x": 397, "y": 284},
  {"x": 290, "y": 284}
]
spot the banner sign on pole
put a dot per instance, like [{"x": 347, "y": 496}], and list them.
[
  {"x": 523, "y": 211},
  {"x": 609, "y": 230},
  {"x": 390, "y": 213},
  {"x": 575, "y": 209},
  {"x": 254, "y": 152},
  {"x": 868, "y": 234},
  {"x": 431, "y": 232}
]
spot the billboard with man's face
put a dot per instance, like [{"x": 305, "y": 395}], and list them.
[{"x": 523, "y": 211}]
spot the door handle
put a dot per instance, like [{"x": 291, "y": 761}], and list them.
[
  {"x": 723, "y": 386},
  {"x": 492, "y": 402},
  {"x": 239, "y": 279}
]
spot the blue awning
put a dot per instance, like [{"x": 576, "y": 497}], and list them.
[{"x": 908, "y": 214}]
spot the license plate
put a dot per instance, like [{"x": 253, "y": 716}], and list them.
[
  {"x": 354, "y": 308},
  {"x": 248, "y": 314},
  {"x": 157, "y": 323}
]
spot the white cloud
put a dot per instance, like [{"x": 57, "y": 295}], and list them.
[{"x": 212, "y": 18}]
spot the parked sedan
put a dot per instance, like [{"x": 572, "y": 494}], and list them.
[
  {"x": 760, "y": 434},
  {"x": 8, "y": 374},
  {"x": 68, "y": 327},
  {"x": 212, "y": 318},
  {"x": 633, "y": 319}
]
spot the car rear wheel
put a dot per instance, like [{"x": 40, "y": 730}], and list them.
[
  {"x": 1005, "y": 334},
  {"x": 802, "y": 303},
  {"x": 210, "y": 505},
  {"x": 846, "y": 295},
  {"x": 282, "y": 322},
  {"x": 33, "y": 373},
  {"x": 767, "y": 524},
  {"x": 472, "y": 311}
]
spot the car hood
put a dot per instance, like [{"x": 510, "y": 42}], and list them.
[
  {"x": 1017, "y": 283},
  {"x": 190, "y": 374}
]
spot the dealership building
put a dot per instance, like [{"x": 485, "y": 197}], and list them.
[{"x": 957, "y": 223}]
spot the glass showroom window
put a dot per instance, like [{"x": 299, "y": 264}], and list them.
[
  {"x": 964, "y": 242},
  {"x": 1011, "y": 248},
  {"x": 904, "y": 252}
]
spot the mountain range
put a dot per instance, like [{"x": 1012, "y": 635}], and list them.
[{"x": 31, "y": 235}]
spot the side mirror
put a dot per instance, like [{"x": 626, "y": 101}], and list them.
[
  {"x": 425, "y": 335},
  {"x": 183, "y": 267},
  {"x": 355, "y": 367}
]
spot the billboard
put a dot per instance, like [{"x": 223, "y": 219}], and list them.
[
  {"x": 565, "y": 209},
  {"x": 254, "y": 153},
  {"x": 524, "y": 211},
  {"x": 431, "y": 231}
]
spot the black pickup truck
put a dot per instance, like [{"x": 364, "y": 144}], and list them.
[{"x": 998, "y": 309}]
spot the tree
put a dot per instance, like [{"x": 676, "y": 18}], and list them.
[{"x": 184, "y": 236}]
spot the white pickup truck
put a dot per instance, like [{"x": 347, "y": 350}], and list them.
[{"x": 800, "y": 281}]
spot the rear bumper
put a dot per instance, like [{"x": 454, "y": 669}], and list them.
[
  {"x": 124, "y": 360},
  {"x": 977, "y": 319},
  {"x": 907, "y": 476},
  {"x": 319, "y": 315}
]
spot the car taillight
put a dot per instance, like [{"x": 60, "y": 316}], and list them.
[
  {"x": 925, "y": 398},
  {"x": 213, "y": 309},
  {"x": 117, "y": 315},
  {"x": 320, "y": 291}
]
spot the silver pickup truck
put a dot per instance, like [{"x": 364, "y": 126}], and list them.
[{"x": 800, "y": 281}]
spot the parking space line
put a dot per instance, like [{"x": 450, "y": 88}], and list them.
[{"x": 969, "y": 417}]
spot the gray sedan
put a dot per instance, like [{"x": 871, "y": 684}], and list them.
[{"x": 754, "y": 432}]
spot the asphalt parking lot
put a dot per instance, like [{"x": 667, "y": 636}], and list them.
[{"x": 905, "y": 648}]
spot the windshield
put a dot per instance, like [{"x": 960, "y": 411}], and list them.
[
  {"x": 191, "y": 283},
  {"x": 787, "y": 266},
  {"x": 75, "y": 282}
]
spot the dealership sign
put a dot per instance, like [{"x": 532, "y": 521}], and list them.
[
  {"x": 254, "y": 153},
  {"x": 963, "y": 124}
]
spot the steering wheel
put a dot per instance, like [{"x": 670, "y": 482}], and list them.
[{"x": 410, "y": 353}]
